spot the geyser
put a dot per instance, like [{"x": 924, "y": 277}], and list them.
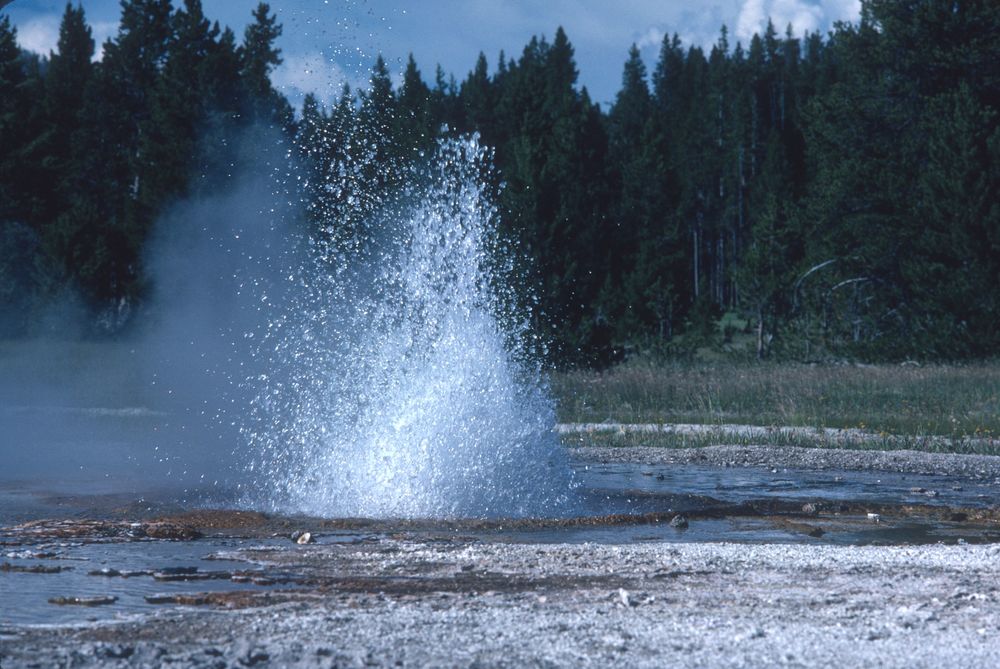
[{"x": 400, "y": 382}]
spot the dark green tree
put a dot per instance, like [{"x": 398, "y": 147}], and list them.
[
  {"x": 414, "y": 129},
  {"x": 69, "y": 70},
  {"x": 260, "y": 55}
]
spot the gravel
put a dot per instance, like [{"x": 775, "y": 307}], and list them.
[
  {"x": 903, "y": 461},
  {"x": 462, "y": 603}
]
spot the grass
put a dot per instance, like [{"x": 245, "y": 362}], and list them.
[{"x": 956, "y": 402}]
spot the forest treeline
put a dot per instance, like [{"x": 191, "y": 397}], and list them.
[{"x": 834, "y": 195}]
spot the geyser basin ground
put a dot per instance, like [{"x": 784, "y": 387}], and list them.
[
  {"x": 461, "y": 603},
  {"x": 749, "y": 582}
]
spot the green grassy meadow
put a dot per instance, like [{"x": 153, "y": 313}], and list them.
[{"x": 936, "y": 407}]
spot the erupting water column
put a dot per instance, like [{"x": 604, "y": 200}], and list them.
[{"x": 400, "y": 384}]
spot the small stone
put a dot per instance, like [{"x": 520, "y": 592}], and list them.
[
  {"x": 679, "y": 522},
  {"x": 817, "y": 532},
  {"x": 255, "y": 657},
  {"x": 918, "y": 489},
  {"x": 809, "y": 509},
  {"x": 304, "y": 538},
  {"x": 874, "y": 517},
  {"x": 115, "y": 651}
]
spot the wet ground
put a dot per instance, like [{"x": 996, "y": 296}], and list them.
[
  {"x": 461, "y": 602},
  {"x": 96, "y": 555}
]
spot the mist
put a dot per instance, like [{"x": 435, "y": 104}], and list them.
[{"x": 158, "y": 407}]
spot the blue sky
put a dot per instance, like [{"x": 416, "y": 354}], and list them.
[{"x": 328, "y": 42}]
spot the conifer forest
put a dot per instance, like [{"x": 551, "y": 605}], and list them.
[{"x": 820, "y": 196}]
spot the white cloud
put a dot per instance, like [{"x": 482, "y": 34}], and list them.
[
  {"x": 843, "y": 10},
  {"x": 102, "y": 31},
  {"x": 803, "y": 15},
  {"x": 752, "y": 19},
  {"x": 40, "y": 35},
  {"x": 651, "y": 38}
]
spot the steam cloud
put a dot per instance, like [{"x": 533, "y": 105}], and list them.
[{"x": 158, "y": 407}]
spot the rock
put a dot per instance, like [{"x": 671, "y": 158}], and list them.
[
  {"x": 107, "y": 571},
  {"x": 918, "y": 489},
  {"x": 958, "y": 517},
  {"x": 164, "y": 530},
  {"x": 679, "y": 522},
  {"x": 192, "y": 576},
  {"x": 304, "y": 538},
  {"x": 817, "y": 532},
  {"x": 32, "y": 569},
  {"x": 114, "y": 651},
  {"x": 931, "y": 493},
  {"x": 809, "y": 509},
  {"x": 180, "y": 599},
  {"x": 82, "y": 601}
]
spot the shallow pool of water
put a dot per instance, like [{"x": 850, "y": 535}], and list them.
[
  {"x": 643, "y": 497},
  {"x": 632, "y": 488}
]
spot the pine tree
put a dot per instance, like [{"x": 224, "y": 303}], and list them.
[
  {"x": 478, "y": 101},
  {"x": 178, "y": 115},
  {"x": 955, "y": 271},
  {"x": 13, "y": 108},
  {"x": 68, "y": 72},
  {"x": 554, "y": 161},
  {"x": 414, "y": 129},
  {"x": 633, "y": 168},
  {"x": 260, "y": 56},
  {"x": 445, "y": 110}
]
